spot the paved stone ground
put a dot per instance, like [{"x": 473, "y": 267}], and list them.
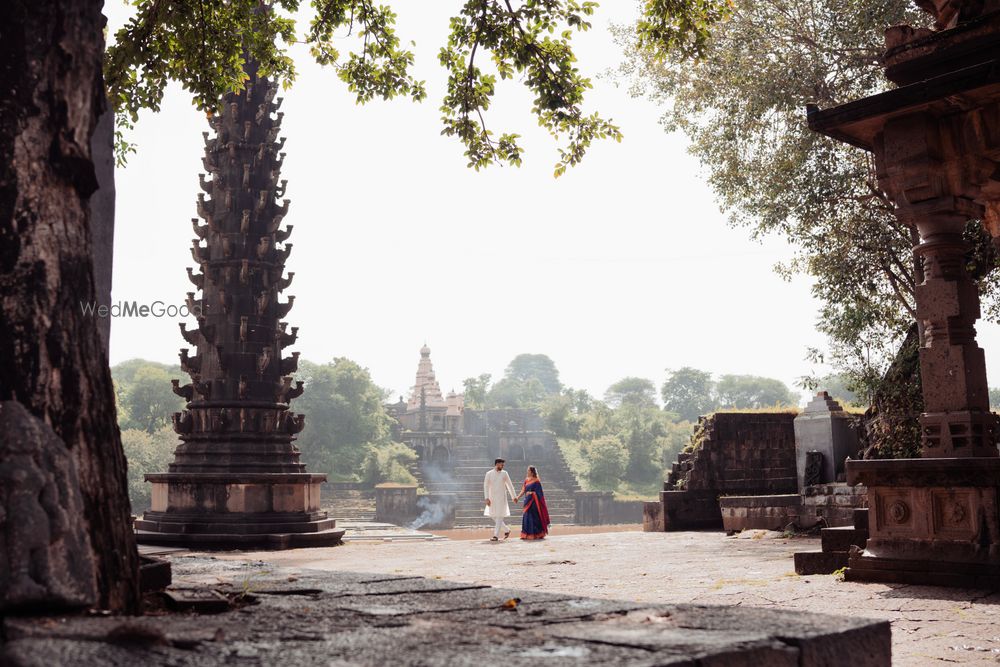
[
  {"x": 929, "y": 625},
  {"x": 307, "y": 618}
]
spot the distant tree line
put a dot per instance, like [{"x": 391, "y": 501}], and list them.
[{"x": 623, "y": 441}]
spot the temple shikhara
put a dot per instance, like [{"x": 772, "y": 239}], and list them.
[{"x": 236, "y": 478}]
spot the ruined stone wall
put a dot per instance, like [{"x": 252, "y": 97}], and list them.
[
  {"x": 739, "y": 453},
  {"x": 733, "y": 453}
]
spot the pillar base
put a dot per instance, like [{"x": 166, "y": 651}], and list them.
[
  {"x": 237, "y": 511},
  {"x": 931, "y": 521}
]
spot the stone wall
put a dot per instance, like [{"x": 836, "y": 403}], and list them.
[
  {"x": 733, "y": 453},
  {"x": 600, "y": 508},
  {"x": 829, "y": 505},
  {"x": 395, "y": 503}
]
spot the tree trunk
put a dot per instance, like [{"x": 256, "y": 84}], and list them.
[
  {"x": 102, "y": 215},
  {"x": 52, "y": 359}
]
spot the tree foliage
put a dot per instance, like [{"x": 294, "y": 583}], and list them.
[
  {"x": 606, "y": 462},
  {"x": 631, "y": 391},
  {"x": 346, "y": 420},
  {"x": 527, "y": 367},
  {"x": 742, "y": 103},
  {"x": 688, "y": 392},
  {"x": 528, "y": 382},
  {"x": 751, "y": 391},
  {"x": 476, "y": 390},
  {"x": 145, "y": 398},
  {"x": 146, "y": 452},
  {"x": 203, "y": 44}
]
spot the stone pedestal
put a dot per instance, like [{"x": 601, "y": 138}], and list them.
[
  {"x": 251, "y": 510},
  {"x": 931, "y": 521},
  {"x": 823, "y": 427}
]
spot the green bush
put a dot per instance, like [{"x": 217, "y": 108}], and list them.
[
  {"x": 146, "y": 453},
  {"x": 607, "y": 459},
  {"x": 388, "y": 463}
]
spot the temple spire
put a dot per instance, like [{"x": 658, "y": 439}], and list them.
[{"x": 426, "y": 387}]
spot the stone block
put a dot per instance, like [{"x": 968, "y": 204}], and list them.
[
  {"x": 842, "y": 538},
  {"x": 395, "y": 502},
  {"x": 45, "y": 554},
  {"x": 819, "y": 562},
  {"x": 652, "y": 517},
  {"x": 592, "y": 508}
]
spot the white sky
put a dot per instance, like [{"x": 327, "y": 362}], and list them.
[{"x": 624, "y": 266}]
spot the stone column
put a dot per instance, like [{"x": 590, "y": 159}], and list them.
[{"x": 917, "y": 165}]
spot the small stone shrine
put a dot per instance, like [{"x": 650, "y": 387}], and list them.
[
  {"x": 936, "y": 146},
  {"x": 236, "y": 479},
  {"x": 825, "y": 436}
]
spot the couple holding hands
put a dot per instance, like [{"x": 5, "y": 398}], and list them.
[{"x": 535, "y": 515}]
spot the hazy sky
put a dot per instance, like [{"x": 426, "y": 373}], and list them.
[{"x": 624, "y": 266}]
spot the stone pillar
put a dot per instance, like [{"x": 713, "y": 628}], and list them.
[
  {"x": 823, "y": 427},
  {"x": 936, "y": 144},
  {"x": 917, "y": 166}
]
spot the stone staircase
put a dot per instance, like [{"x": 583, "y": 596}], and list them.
[{"x": 470, "y": 462}]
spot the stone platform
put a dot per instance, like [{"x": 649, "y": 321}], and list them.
[
  {"x": 237, "y": 511},
  {"x": 831, "y": 505},
  {"x": 931, "y": 521},
  {"x": 307, "y": 617}
]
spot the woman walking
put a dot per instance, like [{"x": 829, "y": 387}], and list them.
[{"x": 535, "y": 516}]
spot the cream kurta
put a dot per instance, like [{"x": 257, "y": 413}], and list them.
[{"x": 495, "y": 488}]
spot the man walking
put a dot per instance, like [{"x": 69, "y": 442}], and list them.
[{"x": 496, "y": 486}]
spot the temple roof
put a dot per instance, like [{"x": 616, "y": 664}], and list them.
[{"x": 426, "y": 384}]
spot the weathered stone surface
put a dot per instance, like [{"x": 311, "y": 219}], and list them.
[
  {"x": 45, "y": 554},
  {"x": 736, "y": 454},
  {"x": 336, "y": 618}
]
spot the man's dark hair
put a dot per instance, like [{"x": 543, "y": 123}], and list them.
[{"x": 498, "y": 461}]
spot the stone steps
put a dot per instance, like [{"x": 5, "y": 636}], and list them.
[
  {"x": 836, "y": 543},
  {"x": 465, "y": 480}
]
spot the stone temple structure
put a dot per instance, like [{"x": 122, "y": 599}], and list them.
[
  {"x": 936, "y": 146},
  {"x": 456, "y": 445},
  {"x": 236, "y": 479}
]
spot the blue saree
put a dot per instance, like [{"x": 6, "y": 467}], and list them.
[{"x": 535, "y": 517}]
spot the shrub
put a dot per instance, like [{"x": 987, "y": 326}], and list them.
[{"x": 146, "y": 452}]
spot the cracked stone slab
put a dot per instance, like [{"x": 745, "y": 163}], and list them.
[{"x": 328, "y": 618}]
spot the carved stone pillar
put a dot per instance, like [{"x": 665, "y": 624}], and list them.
[
  {"x": 919, "y": 167},
  {"x": 936, "y": 143}
]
